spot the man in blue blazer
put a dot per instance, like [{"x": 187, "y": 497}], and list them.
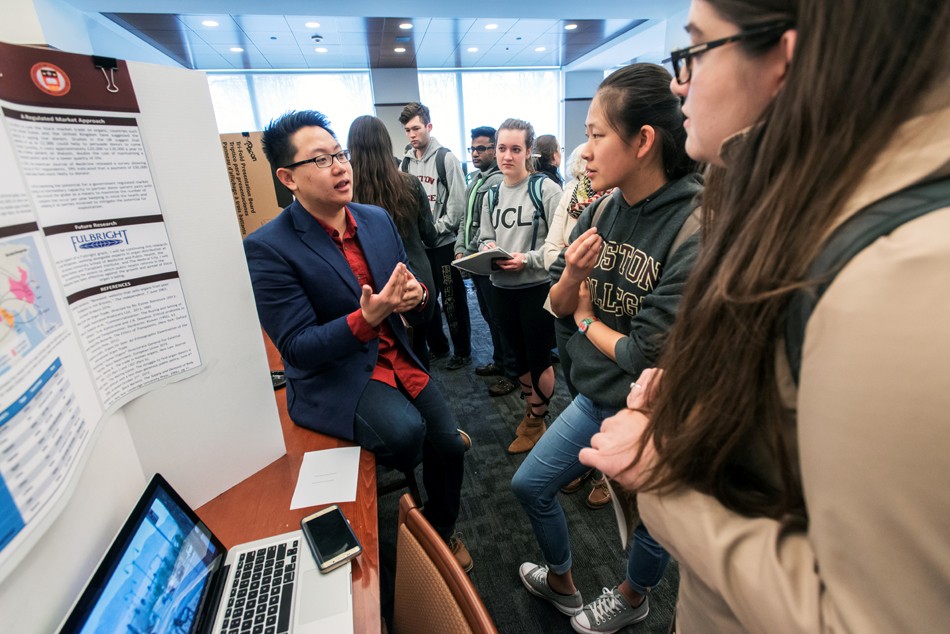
[{"x": 332, "y": 288}]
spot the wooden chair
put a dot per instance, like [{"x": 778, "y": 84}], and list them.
[{"x": 433, "y": 593}]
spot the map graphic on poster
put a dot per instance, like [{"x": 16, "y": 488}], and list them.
[{"x": 28, "y": 312}]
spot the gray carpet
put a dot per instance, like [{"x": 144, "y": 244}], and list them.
[{"x": 495, "y": 528}]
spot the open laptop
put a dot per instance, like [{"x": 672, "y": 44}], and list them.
[{"x": 167, "y": 572}]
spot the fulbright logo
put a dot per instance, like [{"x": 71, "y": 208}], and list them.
[
  {"x": 50, "y": 78},
  {"x": 98, "y": 244},
  {"x": 99, "y": 240}
]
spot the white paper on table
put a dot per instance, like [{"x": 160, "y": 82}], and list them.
[{"x": 327, "y": 476}]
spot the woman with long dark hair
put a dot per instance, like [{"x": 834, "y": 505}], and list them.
[
  {"x": 816, "y": 505},
  {"x": 377, "y": 181},
  {"x": 620, "y": 279}
]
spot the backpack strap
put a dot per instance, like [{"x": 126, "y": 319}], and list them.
[
  {"x": 688, "y": 230},
  {"x": 492, "y": 195},
  {"x": 405, "y": 165},
  {"x": 440, "y": 166},
  {"x": 442, "y": 180},
  {"x": 858, "y": 232},
  {"x": 535, "y": 182}
]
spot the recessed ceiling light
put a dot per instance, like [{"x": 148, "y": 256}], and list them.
[
  {"x": 237, "y": 49},
  {"x": 320, "y": 49},
  {"x": 399, "y": 49},
  {"x": 491, "y": 27},
  {"x": 210, "y": 23},
  {"x": 570, "y": 27},
  {"x": 540, "y": 49},
  {"x": 472, "y": 49},
  {"x": 405, "y": 26},
  {"x": 312, "y": 25}
]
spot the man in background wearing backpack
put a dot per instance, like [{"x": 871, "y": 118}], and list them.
[
  {"x": 488, "y": 175},
  {"x": 441, "y": 176}
]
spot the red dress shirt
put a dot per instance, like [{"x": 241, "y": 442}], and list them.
[{"x": 393, "y": 362}]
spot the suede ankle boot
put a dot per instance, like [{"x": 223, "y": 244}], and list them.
[{"x": 529, "y": 431}]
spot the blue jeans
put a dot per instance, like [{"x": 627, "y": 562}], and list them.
[
  {"x": 552, "y": 464},
  {"x": 401, "y": 431}
]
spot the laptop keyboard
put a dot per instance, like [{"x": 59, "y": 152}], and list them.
[{"x": 262, "y": 591}]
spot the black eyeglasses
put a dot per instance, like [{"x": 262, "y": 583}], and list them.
[
  {"x": 683, "y": 58},
  {"x": 323, "y": 160},
  {"x": 481, "y": 149}
]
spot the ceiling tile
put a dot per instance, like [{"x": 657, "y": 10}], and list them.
[
  {"x": 528, "y": 27},
  {"x": 450, "y": 25},
  {"x": 194, "y": 22},
  {"x": 276, "y": 23},
  {"x": 269, "y": 39},
  {"x": 355, "y": 42}
]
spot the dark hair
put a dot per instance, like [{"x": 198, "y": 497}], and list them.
[
  {"x": 639, "y": 95},
  {"x": 520, "y": 124},
  {"x": 415, "y": 109},
  {"x": 545, "y": 146},
  {"x": 748, "y": 14},
  {"x": 784, "y": 189},
  {"x": 276, "y": 139},
  {"x": 484, "y": 130},
  {"x": 376, "y": 179}
]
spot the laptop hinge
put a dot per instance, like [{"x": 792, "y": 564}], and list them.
[{"x": 212, "y": 600}]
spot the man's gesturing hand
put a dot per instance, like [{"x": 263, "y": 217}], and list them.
[{"x": 378, "y": 306}]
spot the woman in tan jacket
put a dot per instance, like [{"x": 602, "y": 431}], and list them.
[{"x": 823, "y": 508}]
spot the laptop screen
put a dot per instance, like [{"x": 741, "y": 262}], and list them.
[{"x": 157, "y": 572}]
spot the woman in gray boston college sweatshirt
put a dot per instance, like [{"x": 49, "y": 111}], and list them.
[
  {"x": 515, "y": 224},
  {"x": 621, "y": 279}
]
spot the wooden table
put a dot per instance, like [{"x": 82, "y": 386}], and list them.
[{"x": 259, "y": 506}]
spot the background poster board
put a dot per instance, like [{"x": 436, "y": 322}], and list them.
[
  {"x": 258, "y": 195},
  {"x": 205, "y": 433}
]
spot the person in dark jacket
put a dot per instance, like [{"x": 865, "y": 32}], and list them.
[
  {"x": 332, "y": 288},
  {"x": 487, "y": 176},
  {"x": 378, "y": 181}
]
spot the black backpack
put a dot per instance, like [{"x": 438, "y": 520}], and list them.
[{"x": 850, "y": 238}]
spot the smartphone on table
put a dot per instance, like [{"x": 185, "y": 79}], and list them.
[{"x": 331, "y": 540}]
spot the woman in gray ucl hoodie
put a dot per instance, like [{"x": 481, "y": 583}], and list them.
[{"x": 510, "y": 220}]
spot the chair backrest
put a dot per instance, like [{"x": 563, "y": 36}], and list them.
[{"x": 433, "y": 593}]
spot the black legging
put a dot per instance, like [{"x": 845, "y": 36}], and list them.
[{"x": 528, "y": 330}]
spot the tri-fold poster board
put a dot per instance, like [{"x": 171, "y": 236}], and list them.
[{"x": 92, "y": 310}]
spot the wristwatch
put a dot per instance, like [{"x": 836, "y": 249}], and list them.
[
  {"x": 425, "y": 298},
  {"x": 585, "y": 325}
]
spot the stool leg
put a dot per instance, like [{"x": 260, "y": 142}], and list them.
[{"x": 413, "y": 487}]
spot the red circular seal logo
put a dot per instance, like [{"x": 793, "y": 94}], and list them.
[{"x": 50, "y": 78}]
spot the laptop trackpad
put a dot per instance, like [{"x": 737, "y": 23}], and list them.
[{"x": 322, "y": 596}]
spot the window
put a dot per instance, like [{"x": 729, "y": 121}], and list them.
[
  {"x": 232, "y": 103},
  {"x": 249, "y": 101},
  {"x": 458, "y": 100},
  {"x": 462, "y": 100}
]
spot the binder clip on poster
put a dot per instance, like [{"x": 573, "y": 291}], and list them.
[{"x": 108, "y": 66}]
